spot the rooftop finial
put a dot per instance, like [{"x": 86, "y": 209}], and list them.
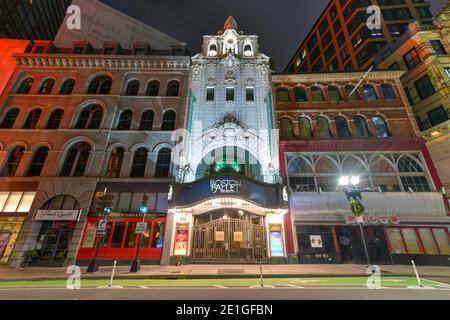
[{"x": 230, "y": 23}]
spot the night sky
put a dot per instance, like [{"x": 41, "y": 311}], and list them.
[{"x": 280, "y": 24}]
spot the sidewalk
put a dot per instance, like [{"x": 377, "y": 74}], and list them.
[{"x": 217, "y": 271}]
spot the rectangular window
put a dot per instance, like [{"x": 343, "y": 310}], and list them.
[
  {"x": 157, "y": 235},
  {"x": 89, "y": 237},
  {"x": 424, "y": 87},
  {"x": 249, "y": 94},
  {"x": 442, "y": 240},
  {"x": 124, "y": 202},
  {"x": 210, "y": 92},
  {"x": 396, "y": 240},
  {"x": 428, "y": 241},
  {"x": 438, "y": 116},
  {"x": 119, "y": 230},
  {"x": 411, "y": 240},
  {"x": 130, "y": 238},
  {"x": 12, "y": 202},
  {"x": 230, "y": 94},
  {"x": 26, "y": 201},
  {"x": 438, "y": 47},
  {"x": 412, "y": 59}
]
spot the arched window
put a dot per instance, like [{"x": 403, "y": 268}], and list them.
[
  {"x": 323, "y": 128},
  {"x": 173, "y": 89},
  {"x": 342, "y": 128},
  {"x": 287, "y": 129},
  {"x": 305, "y": 128},
  {"x": 388, "y": 92},
  {"x": 168, "y": 123},
  {"x": 32, "y": 119},
  {"x": 13, "y": 162},
  {"x": 147, "y": 120},
  {"x": 132, "y": 88},
  {"x": 353, "y": 166},
  {"x": 47, "y": 86},
  {"x": 10, "y": 118},
  {"x": 67, "y": 87},
  {"x": 300, "y": 94},
  {"x": 76, "y": 160},
  {"x": 354, "y": 96},
  {"x": 55, "y": 119},
  {"x": 25, "y": 87},
  {"x": 327, "y": 174},
  {"x": 100, "y": 85},
  {"x": 381, "y": 127},
  {"x": 38, "y": 162},
  {"x": 125, "y": 120},
  {"x": 153, "y": 88},
  {"x": 412, "y": 174},
  {"x": 335, "y": 95},
  {"x": 283, "y": 95},
  {"x": 115, "y": 163},
  {"x": 361, "y": 127},
  {"x": 90, "y": 117},
  {"x": 383, "y": 175},
  {"x": 139, "y": 163},
  {"x": 370, "y": 93},
  {"x": 317, "y": 94},
  {"x": 163, "y": 163}
]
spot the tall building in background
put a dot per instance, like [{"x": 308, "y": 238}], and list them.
[
  {"x": 424, "y": 52},
  {"x": 31, "y": 20},
  {"x": 341, "y": 41}
]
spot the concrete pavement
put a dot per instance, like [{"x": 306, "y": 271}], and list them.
[{"x": 214, "y": 271}]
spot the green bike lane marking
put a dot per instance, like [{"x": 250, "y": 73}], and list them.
[{"x": 229, "y": 282}]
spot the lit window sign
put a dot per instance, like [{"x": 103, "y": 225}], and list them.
[
  {"x": 276, "y": 244},
  {"x": 225, "y": 186},
  {"x": 16, "y": 201}
]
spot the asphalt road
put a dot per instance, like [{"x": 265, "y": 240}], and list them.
[{"x": 222, "y": 293}]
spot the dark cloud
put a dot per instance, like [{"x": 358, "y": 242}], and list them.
[{"x": 280, "y": 24}]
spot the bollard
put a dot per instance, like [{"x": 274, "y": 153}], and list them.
[
  {"x": 417, "y": 274},
  {"x": 112, "y": 274}
]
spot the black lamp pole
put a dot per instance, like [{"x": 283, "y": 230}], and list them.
[{"x": 136, "y": 265}]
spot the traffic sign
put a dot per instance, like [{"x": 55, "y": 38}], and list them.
[
  {"x": 101, "y": 228},
  {"x": 141, "y": 227}
]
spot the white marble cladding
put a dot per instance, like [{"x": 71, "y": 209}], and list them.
[
  {"x": 231, "y": 67},
  {"x": 420, "y": 207}
]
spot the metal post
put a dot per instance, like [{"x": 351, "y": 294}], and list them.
[
  {"x": 417, "y": 274},
  {"x": 364, "y": 243},
  {"x": 136, "y": 265},
  {"x": 112, "y": 274}
]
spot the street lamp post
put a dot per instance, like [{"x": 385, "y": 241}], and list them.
[
  {"x": 106, "y": 210},
  {"x": 143, "y": 209},
  {"x": 350, "y": 186}
]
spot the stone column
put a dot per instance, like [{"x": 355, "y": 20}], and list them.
[
  {"x": 371, "y": 128},
  {"x": 126, "y": 165},
  {"x": 26, "y": 241},
  {"x": 151, "y": 164},
  {"x": 98, "y": 165},
  {"x": 168, "y": 239},
  {"x": 75, "y": 242},
  {"x": 24, "y": 163},
  {"x": 51, "y": 166},
  {"x": 3, "y": 157},
  {"x": 352, "y": 127},
  {"x": 333, "y": 130},
  {"x": 314, "y": 129}
]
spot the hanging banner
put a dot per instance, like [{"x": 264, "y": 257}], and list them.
[
  {"x": 181, "y": 243},
  {"x": 316, "y": 241}
]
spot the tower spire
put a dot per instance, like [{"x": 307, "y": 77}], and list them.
[{"x": 230, "y": 23}]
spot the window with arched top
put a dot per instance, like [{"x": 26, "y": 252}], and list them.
[
  {"x": 383, "y": 175},
  {"x": 10, "y": 118},
  {"x": 335, "y": 95},
  {"x": 38, "y": 162},
  {"x": 362, "y": 130},
  {"x": 317, "y": 94},
  {"x": 25, "y": 86},
  {"x": 132, "y": 88},
  {"x": 173, "y": 88},
  {"x": 388, "y": 92},
  {"x": 412, "y": 174},
  {"x": 283, "y": 95},
  {"x": 90, "y": 117},
  {"x": 139, "y": 163},
  {"x": 168, "y": 123},
  {"x": 76, "y": 160},
  {"x": 67, "y": 87},
  {"x": 370, "y": 93},
  {"x": 47, "y": 86},
  {"x": 327, "y": 174},
  {"x": 163, "y": 163},
  {"x": 13, "y": 161},
  {"x": 100, "y": 85},
  {"x": 323, "y": 128},
  {"x": 146, "y": 123},
  {"x": 61, "y": 202},
  {"x": 381, "y": 127},
  {"x": 125, "y": 120},
  {"x": 300, "y": 94},
  {"x": 305, "y": 128},
  {"x": 342, "y": 128},
  {"x": 55, "y": 119},
  {"x": 352, "y": 94},
  {"x": 299, "y": 165},
  {"x": 115, "y": 163},
  {"x": 32, "y": 119},
  {"x": 355, "y": 166},
  {"x": 153, "y": 88},
  {"x": 287, "y": 129}
]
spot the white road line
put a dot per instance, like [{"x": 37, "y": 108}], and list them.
[
  {"x": 292, "y": 286},
  {"x": 440, "y": 284},
  {"x": 144, "y": 287},
  {"x": 221, "y": 287}
]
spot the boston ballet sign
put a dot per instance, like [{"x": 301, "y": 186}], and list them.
[{"x": 225, "y": 186}]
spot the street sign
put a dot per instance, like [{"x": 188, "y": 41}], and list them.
[
  {"x": 101, "y": 228},
  {"x": 141, "y": 227}
]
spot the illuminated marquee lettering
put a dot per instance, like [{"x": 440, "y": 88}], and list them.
[{"x": 225, "y": 186}]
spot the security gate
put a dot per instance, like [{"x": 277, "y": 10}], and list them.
[{"x": 228, "y": 241}]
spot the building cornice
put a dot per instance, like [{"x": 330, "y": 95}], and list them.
[
  {"x": 338, "y": 76},
  {"x": 99, "y": 61}
]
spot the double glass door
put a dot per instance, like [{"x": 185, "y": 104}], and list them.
[{"x": 53, "y": 242}]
